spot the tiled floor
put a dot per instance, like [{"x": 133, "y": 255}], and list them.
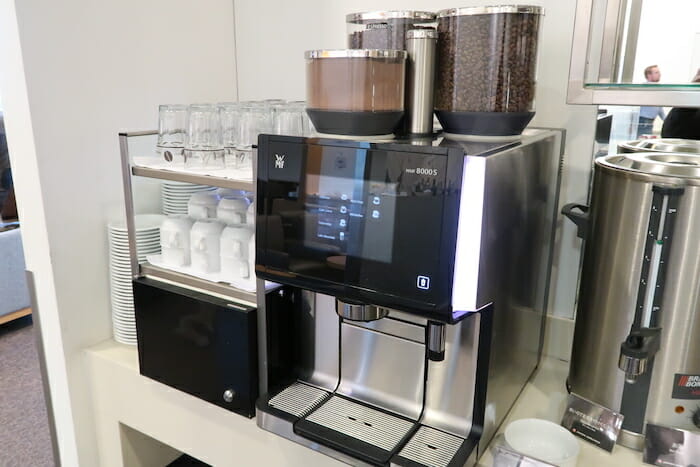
[{"x": 24, "y": 431}]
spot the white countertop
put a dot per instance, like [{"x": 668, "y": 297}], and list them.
[
  {"x": 123, "y": 398},
  {"x": 545, "y": 397}
]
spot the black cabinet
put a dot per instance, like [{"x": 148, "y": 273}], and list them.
[{"x": 199, "y": 344}]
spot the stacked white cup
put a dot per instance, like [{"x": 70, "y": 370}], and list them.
[
  {"x": 175, "y": 240},
  {"x": 216, "y": 238},
  {"x": 204, "y": 245}
]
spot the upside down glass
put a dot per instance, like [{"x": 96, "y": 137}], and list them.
[
  {"x": 172, "y": 129},
  {"x": 204, "y": 146},
  {"x": 291, "y": 119},
  {"x": 230, "y": 122}
]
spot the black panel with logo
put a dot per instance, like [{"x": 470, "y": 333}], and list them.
[{"x": 373, "y": 223}]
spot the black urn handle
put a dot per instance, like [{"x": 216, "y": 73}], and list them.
[{"x": 579, "y": 218}]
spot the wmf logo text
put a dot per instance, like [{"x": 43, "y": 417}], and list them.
[{"x": 279, "y": 161}]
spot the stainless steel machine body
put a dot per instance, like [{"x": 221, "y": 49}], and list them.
[
  {"x": 636, "y": 346},
  {"x": 413, "y": 388}
]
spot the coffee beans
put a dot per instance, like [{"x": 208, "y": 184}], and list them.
[
  {"x": 486, "y": 62},
  {"x": 380, "y": 36},
  {"x": 355, "y": 84}
]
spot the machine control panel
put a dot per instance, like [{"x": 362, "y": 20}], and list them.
[{"x": 360, "y": 221}]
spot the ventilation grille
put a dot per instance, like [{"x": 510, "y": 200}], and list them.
[
  {"x": 360, "y": 422},
  {"x": 431, "y": 447},
  {"x": 298, "y": 399}
]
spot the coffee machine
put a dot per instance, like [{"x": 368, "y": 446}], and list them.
[{"x": 414, "y": 281}]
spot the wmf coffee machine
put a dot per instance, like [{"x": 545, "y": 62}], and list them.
[{"x": 415, "y": 282}]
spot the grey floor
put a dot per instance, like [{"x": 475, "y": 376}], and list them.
[{"x": 24, "y": 432}]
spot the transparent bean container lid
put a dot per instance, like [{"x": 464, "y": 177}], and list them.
[{"x": 385, "y": 29}]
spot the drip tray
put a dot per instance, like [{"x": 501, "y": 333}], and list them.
[
  {"x": 298, "y": 399},
  {"x": 431, "y": 447},
  {"x": 357, "y": 431}
]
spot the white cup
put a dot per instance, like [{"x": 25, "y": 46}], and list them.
[
  {"x": 250, "y": 215},
  {"x": 203, "y": 205},
  {"x": 235, "y": 252},
  {"x": 204, "y": 245},
  {"x": 544, "y": 440},
  {"x": 231, "y": 193},
  {"x": 232, "y": 211},
  {"x": 175, "y": 240}
]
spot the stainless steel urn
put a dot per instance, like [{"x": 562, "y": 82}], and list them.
[{"x": 636, "y": 346}]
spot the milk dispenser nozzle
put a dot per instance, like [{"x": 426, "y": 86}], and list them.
[
  {"x": 436, "y": 341},
  {"x": 360, "y": 311},
  {"x": 635, "y": 352}
]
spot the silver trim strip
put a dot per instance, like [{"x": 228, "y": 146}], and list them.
[
  {"x": 381, "y": 16},
  {"x": 355, "y": 53},
  {"x": 491, "y": 10}
]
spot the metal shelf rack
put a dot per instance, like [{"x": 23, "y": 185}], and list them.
[{"x": 146, "y": 269}]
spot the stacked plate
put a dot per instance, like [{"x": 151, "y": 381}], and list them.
[
  {"x": 147, "y": 236},
  {"x": 175, "y": 195}
]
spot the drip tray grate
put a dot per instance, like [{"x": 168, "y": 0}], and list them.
[
  {"x": 298, "y": 399},
  {"x": 431, "y": 447},
  {"x": 371, "y": 426},
  {"x": 355, "y": 429}
]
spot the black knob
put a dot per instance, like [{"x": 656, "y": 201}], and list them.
[{"x": 696, "y": 417}]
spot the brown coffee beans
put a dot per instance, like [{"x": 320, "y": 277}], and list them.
[
  {"x": 355, "y": 84},
  {"x": 486, "y": 62}
]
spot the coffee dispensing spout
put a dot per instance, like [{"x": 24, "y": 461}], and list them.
[
  {"x": 360, "y": 311},
  {"x": 436, "y": 341},
  {"x": 639, "y": 347}
]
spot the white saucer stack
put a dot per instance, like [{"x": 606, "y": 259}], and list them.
[
  {"x": 147, "y": 235},
  {"x": 175, "y": 195}
]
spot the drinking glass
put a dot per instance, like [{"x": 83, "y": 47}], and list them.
[
  {"x": 172, "y": 128},
  {"x": 204, "y": 145},
  {"x": 289, "y": 119},
  {"x": 230, "y": 120},
  {"x": 256, "y": 118}
]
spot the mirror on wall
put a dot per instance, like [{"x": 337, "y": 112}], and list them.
[
  {"x": 636, "y": 46},
  {"x": 661, "y": 37}
]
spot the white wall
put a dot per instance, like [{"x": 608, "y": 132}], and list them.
[
  {"x": 72, "y": 74},
  {"x": 269, "y": 66},
  {"x": 668, "y": 34}
]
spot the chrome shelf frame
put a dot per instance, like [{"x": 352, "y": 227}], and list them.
[
  {"x": 192, "y": 178},
  {"x": 146, "y": 269},
  {"x": 220, "y": 288}
]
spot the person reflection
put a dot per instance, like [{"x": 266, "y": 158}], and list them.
[
  {"x": 683, "y": 122},
  {"x": 648, "y": 114}
]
